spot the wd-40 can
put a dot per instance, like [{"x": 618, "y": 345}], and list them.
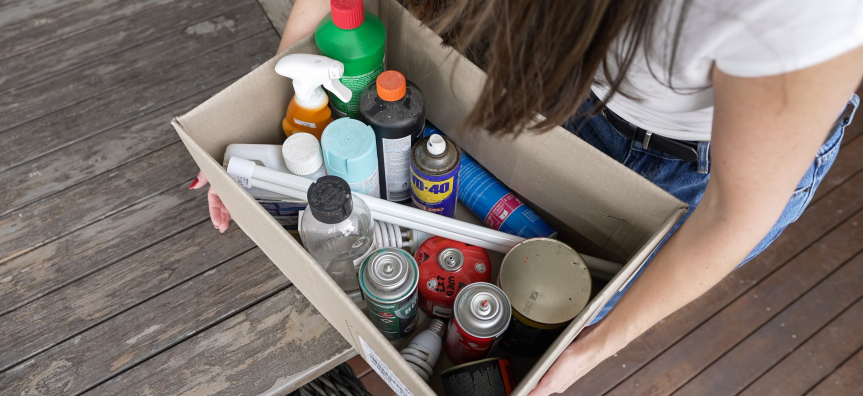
[
  {"x": 480, "y": 314},
  {"x": 447, "y": 266},
  {"x": 388, "y": 280},
  {"x": 548, "y": 285},
  {"x": 435, "y": 163}
]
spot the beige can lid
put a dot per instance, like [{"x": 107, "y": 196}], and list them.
[{"x": 546, "y": 280}]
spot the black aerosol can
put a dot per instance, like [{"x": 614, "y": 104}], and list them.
[{"x": 395, "y": 109}]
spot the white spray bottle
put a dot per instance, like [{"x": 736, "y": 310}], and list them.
[{"x": 308, "y": 110}]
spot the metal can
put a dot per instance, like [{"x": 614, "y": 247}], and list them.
[
  {"x": 487, "y": 377},
  {"x": 388, "y": 281},
  {"x": 435, "y": 164},
  {"x": 548, "y": 284},
  {"x": 447, "y": 266},
  {"x": 480, "y": 314}
]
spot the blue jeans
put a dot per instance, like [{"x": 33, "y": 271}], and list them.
[{"x": 687, "y": 180}]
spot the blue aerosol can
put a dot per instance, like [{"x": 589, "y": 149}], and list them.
[{"x": 435, "y": 164}]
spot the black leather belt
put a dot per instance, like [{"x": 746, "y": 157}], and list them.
[{"x": 686, "y": 151}]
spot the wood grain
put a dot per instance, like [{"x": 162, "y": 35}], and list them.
[
  {"x": 817, "y": 358},
  {"x": 845, "y": 381},
  {"x": 181, "y": 39},
  {"x": 149, "y": 328},
  {"x": 782, "y": 335},
  {"x": 82, "y": 160},
  {"x": 12, "y": 12},
  {"x": 94, "y": 299},
  {"x": 818, "y": 219},
  {"x": 100, "y": 244},
  {"x": 732, "y": 324},
  {"x": 258, "y": 351},
  {"x": 137, "y": 98},
  {"x": 88, "y": 202},
  {"x": 71, "y": 19},
  {"x": 277, "y": 12}
]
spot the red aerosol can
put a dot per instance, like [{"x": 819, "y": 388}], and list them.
[
  {"x": 446, "y": 266},
  {"x": 480, "y": 314}
]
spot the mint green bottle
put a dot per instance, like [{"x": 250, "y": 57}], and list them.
[{"x": 356, "y": 38}]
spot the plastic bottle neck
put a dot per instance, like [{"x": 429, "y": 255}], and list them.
[{"x": 317, "y": 100}]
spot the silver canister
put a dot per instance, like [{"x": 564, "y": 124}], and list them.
[
  {"x": 388, "y": 280},
  {"x": 481, "y": 313}
]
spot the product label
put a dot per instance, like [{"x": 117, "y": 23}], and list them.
[
  {"x": 436, "y": 194},
  {"x": 303, "y": 123},
  {"x": 397, "y": 320},
  {"x": 397, "y": 168},
  {"x": 383, "y": 370},
  {"x": 491, "y": 378},
  {"x": 501, "y": 210},
  {"x": 461, "y": 347},
  {"x": 356, "y": 84},
  {"x": 371, "y": 186}
]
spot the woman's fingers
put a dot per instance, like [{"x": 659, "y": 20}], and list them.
[
  {"x": 215, "y": 204},
  {"x": 199, "y": 181},
  {"x": 226, "y": 218}
]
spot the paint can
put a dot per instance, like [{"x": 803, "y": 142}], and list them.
[
  {"x": 435, "y": 164},
  {"x": 388, "y": 281},
  {"x": 446, "y": 266},
  {"x": 480, "y": 314},
  {"x": 487, "y": 377},
  {"x": 548, "y": 284}
]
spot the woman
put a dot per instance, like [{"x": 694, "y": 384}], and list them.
[{"x": 736, "y": 107}]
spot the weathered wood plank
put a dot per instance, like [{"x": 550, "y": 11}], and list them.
[
  {"x": 816, "y": 359},
  {"x": 82, "y": 160},
  {"x": 103, "y": 243},
  {"x": 88, "y": 202},
  {"x": 178, "y": 42},
  {"x": 258, "y": 351},
  {"x": 735, "y": 322},
  {"x": 137, "y": 98},
  {"x": 71, "y": 19},
  {"x": 94, "y": 299},
  {"x": 148, "y": 329},
  {"x": 277, "y": 12},
  {"x": 782, "y": 335},
  {"x": 12, "y": 12},
  {"x": 818, "y": 219},
  {"x": 846, "y": 381}
]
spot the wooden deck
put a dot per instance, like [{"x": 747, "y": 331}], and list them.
[{"x": 113, "y": 281}]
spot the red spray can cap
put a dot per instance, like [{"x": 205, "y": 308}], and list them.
[{"x": 347, "y": 14}]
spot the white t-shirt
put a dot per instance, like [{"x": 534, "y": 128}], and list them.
[{"x": 746, "y": 38}]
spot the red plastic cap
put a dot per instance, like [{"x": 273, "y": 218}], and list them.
[
  {"x": 347, "y": 14},
  {"x": 391, "y": 85}
]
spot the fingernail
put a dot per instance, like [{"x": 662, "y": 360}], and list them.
[{"x": 193, "y": 183}]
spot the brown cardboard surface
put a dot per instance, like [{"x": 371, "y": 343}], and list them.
[{"x": 606, "y": 203}]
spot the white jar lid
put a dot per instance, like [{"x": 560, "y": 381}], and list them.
[{"x": 302, "y": 153}]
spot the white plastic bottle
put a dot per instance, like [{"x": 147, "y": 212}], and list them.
[{"x": 302, "y": 155}]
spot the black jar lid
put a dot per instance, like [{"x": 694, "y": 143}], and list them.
[{"x": 330, "y": 199}]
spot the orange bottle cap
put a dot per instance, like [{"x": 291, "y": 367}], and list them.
[{"x": 391, "y": 85}]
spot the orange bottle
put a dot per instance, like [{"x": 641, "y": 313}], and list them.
[{"x": 308, "y": 111}]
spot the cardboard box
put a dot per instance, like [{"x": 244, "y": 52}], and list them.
[{"x": 598, "y": 205}]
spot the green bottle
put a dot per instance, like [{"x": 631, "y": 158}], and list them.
[{"x": 356, "y": 38}]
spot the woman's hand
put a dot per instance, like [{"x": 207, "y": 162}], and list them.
[
  {"x": 585, "y": 353},
  {"x": 218, "y": 212}
]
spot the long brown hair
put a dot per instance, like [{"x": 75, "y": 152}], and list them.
[{"x": 541, "y": 56}]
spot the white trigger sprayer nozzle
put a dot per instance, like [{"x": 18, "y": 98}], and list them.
[{"x": 309, "y": 73}]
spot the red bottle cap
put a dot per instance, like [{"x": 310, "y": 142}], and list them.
[
  {"x": 347, "y": 14},
  {"x": 391, "y": 85}
]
